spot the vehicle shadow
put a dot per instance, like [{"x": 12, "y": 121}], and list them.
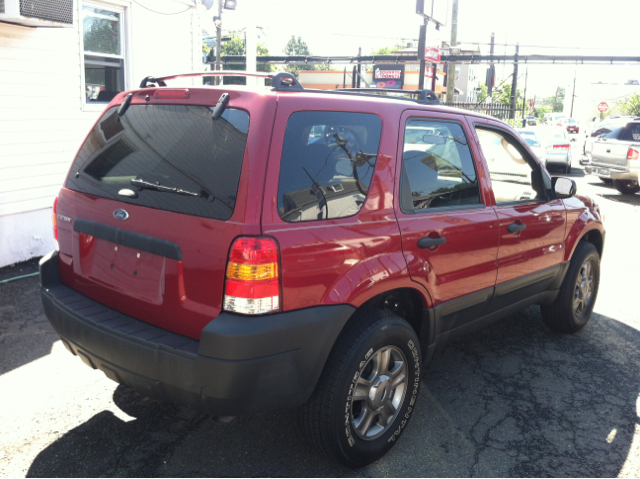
[
  {"x": 513, "y": 399},
  {"x": 633, "y": 200}
]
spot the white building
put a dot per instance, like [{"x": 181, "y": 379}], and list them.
[{"x": 55, "y": 82}]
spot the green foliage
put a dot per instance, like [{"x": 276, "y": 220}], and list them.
[
  {"x": 559, "y": 102},
  {"x": 386, "y": 50},
  {"x": 235, "y": 46},
  {"x": 297, "y": 46},
  {"x": 629, "y": 106},
  {"x": 500, "y": 94},
  {"x": 540, "y": 111}
]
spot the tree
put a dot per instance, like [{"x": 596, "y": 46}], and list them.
[
  {"x": 630, "y": 106},
  {"x": 501, "y": 94},
  {"x": 387, "y": 50},
  {"x": 298, "y": 47},
  {"x": 236, "y": 46}
]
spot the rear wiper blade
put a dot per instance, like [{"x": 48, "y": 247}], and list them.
[{"x": 146, "y": 185}]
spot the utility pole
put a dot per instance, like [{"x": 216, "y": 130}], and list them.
[
  {"x": 553, "y": 110},
  {"x": 524, "y": 99},
  {"x": 573, "y": 95},
  {"x": 219, "y": 41},
  {"x": 359, "y": 66},
  {"x": 451, "y": 72},
  {"x": 514, "y": 85},
  {"x": 492, "y": 71},
  {"x": 422, "y": 43}
]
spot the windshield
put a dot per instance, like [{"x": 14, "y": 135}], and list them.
[{"x": 170, "y": 157}]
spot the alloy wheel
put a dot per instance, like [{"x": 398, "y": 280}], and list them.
[
  {"x": 583, "y": 293},
  {"x": 379, "y": 392}
]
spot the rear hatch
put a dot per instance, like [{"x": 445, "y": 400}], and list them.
[
  {"x": 611, "y": 146},
  {"x": 154, "y": 200}
]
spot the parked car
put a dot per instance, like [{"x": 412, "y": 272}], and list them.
[
  {"x": 531, "y": 120},
  {"x": 615, "y": 154},
  {"x": 554, "y": 119},
  {"x": 571, "y": 125},
  {"x": 211, "y": 255},
  {"x": 557, "y": 148},
  {"x": 531, "y": 137}
]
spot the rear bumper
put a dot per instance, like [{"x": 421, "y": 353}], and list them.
[
  {"x": 615, "y": 172},
  {"x": 240, "y": 365}
]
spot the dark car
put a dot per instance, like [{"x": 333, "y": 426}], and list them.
[{"x": 242, "y": 251}]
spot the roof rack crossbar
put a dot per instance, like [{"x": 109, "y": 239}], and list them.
[{"x": 281, "y": 82}]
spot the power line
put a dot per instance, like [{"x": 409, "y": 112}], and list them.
[{"x": 161, "y": 13}]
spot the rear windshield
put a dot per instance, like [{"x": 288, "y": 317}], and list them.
[{"x": 168, "y": 157}]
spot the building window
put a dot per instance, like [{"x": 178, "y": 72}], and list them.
[{"x": 103, "y": 52}]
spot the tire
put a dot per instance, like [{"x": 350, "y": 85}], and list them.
[
  {"x": 626, "y": 187},
  {"x": 572, "y": 309},
  {"x": 376, "y": 346},
  {"x": 567, "y": 170}
]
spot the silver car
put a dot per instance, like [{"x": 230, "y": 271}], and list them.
[
  {"x": 530, "y": 136},
  {"x": 615, "y": 155},
  {"x": 557, "y": 149}
]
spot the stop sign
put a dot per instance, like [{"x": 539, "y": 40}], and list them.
[{"x": 603, "y": 107}]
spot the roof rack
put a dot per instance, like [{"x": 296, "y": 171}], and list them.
[
  {"x": 424, "y": 95},
  {"x": 287, "y": 82},
  {"x": 281, "y": 81}
]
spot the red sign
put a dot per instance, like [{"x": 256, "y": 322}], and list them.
[
  {"x": 603, "y": 107},
  {"x": 428, "y": 72},
  {"x": 432, "y": 55}
]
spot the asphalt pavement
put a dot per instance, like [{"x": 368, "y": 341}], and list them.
[{"x": 513, "y": 399}]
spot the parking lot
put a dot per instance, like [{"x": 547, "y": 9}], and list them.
[{"x": 513, "y": 399}]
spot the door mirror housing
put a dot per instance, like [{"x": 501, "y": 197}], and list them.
[{"x": 564, "y": 187}]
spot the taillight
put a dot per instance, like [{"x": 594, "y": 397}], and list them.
[
  {"x": 55, "y": 221},
  {"x": 252, "y": 284},
  {"x": 632, "y": 154},
  {"x": 561, "y": 147}
]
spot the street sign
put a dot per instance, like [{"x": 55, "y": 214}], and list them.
[
  {"x": 603, "y": 107},
  {"x": 432, "y": 55}
]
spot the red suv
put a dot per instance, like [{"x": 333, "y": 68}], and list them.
[{"x": 242, "y": 251}]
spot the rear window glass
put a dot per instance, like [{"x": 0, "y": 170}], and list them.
[
  {"x": 631, "y": 132},
  {"x": 173, "y": 157},
  {"x": 327, "y": 163}
]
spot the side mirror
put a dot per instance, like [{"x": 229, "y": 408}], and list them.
[{"x": 564, "y": 187}]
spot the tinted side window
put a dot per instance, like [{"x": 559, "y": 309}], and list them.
[
  {"x": 327, "y": 164},
  {"x": 631, "y": 132},
  {"x": 437, "y": 166}
]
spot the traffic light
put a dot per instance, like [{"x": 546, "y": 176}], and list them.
[{"x": 420, "y": 7}]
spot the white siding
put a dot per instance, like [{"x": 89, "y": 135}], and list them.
[{"x": 42, "y": 117}]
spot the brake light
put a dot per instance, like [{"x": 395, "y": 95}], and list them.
[
  {"x": 55, "y": 221},
  {"x": 561, "y": 147},
  {"x": 632, "y": 154},
  {"x": 252, "y": 282},
  {"x": 174, "y": 94}
]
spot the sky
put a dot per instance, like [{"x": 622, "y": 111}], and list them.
[{"x": 340, "y": 27}]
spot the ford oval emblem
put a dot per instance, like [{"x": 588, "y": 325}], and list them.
[{"x": 120, "y": 215}]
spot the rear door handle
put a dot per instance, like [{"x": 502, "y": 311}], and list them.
[
  {"x": 428, "y": 242},
  {"x": 608, "y": 151},
  {"x": 516, "y": 228}
]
